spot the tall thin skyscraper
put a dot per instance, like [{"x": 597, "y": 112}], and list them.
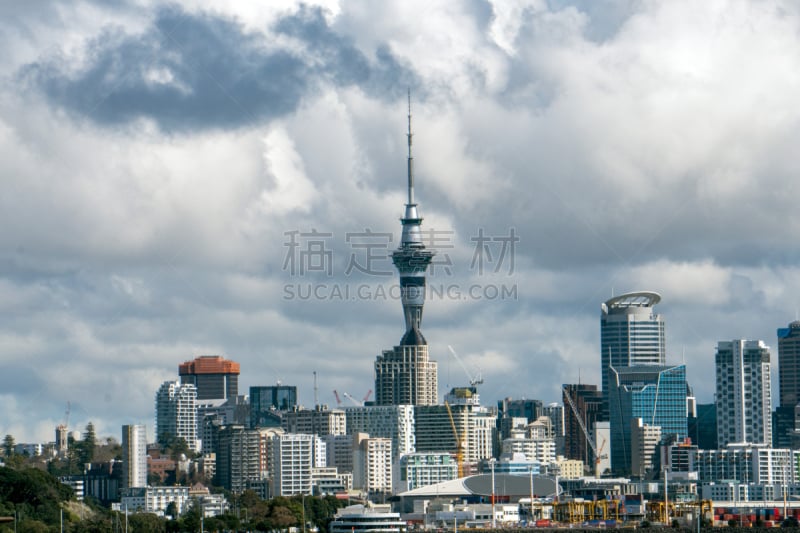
[
  {"x": 631, "y": 334},
  {"x": 405, "y": 375},
  {"x": 743, "y": 398},
  {"x": 134, "y": 456}
]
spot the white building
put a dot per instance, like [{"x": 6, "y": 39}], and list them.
[
  {"x": 176, "y": 412},
  {"x": 539, "y": 451},
  {"x": 153, "y": 499},
  {"x": 644, "y": 441},
  {"x": 395, "y": 422},
  {"x": 293, "y": 461},
  {"x": 372, "y": 464},
  {"x": 743, "y": 393},
  {"x": 134, "y": 456}
]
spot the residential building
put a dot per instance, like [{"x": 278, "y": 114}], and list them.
[
  {"x": 215, "y": 377},
  {"x": 744, "y": 464},
  {"x": 395, "y": 422},
  {"x": 293, "y": 461},
  {"x": 631, "y": 334},
  {"x": 240, "y": 457},
  {"x": 153, "y": 500},
  {"x": 339, "y": 452},
  {"x": 657, "y": 394},
  {"x": 176, "y": 413},
  {"x": 555, "y": 412},
  {"x": 318, "y": 421},
  {"x": 644, "y": 445},
  {"x": 422, "y": 469},
  {"x": 134, "y": 456},
  {"x": 372, "y": 464},
  {"x": 743, "y": 393},
  {"x": 569, "y": 468}
]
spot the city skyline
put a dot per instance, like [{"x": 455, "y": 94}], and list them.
[{"x": 166, "y": 167}]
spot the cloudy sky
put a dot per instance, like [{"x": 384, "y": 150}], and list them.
[{"x": 163, "y": 167}]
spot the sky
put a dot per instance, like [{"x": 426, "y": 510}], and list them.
[{"x": 213, "y": 177}]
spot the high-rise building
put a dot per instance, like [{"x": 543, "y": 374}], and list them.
[
  {"x": 241, "y": 456},
  {"x": 395, "y": 422},
  {"x": 703, "y": 427},
  {"x": 631, "y": 334},
  {"x": 176, "y": 413},
  {"x": 657, "y": 395},
  {"x": 784, "y": 434},
  {"x": 555, "y": 412},
  {"x": 510, "y": 408},
  {"x": 215, "y": 377},
  {"x": 372, "y": 464},
  {"x": 423, "y": 469},
  {"x": 405, "y": 375},
  {"x": 318, "y": 421},
  {"x": 588, "y": 403},
  {"x": 743, "y": 393},
  {"x": 644, "y": 443},
  {"x": 266, "y": 404},
  {"x": 134, "y": 456},
  {"x": 293, "y": 461},
  {"x": 475, "y": 427}
]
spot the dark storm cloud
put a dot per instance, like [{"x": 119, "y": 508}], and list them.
[{"x": 191, "y": 71}]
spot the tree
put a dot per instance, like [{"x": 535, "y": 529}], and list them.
[
  {"x": 146, "y": 522},
  {"x": 171, "y": 510},
  {"x": 87, "y": 446},
  {"x": 8, "y": 445},
  {"x": 191, "y": 519}
]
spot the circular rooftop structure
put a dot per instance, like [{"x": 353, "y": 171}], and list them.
[{"x": 633, "y": 299}]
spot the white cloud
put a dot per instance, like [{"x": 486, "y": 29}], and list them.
[{"x": 657, "y": 156}]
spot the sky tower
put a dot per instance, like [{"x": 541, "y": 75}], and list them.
[
  {"x": 411, "y": 258},
  {"x": 405, "y": 375}
]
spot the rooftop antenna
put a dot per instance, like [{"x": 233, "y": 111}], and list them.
[
  {"x": 410, "y": 158},
  {"x": 316, "y": 392}
]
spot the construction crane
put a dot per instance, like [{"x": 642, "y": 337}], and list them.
[
  {"x": 338, "y": 400},
  {"x": 350, "y": 397},
  {"x": 597, "y": 456},
  {"x": 366, "y": 396},
  {"x": 472, "y": 380},
  {"x": 459, "y": 441}
]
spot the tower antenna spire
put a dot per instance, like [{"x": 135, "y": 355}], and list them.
[{"x": 410, "y": 157}]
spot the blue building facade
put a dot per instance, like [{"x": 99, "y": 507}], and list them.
[
  {"x": 267, "y": 401},
  {"x": 657, "y": 395}
]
